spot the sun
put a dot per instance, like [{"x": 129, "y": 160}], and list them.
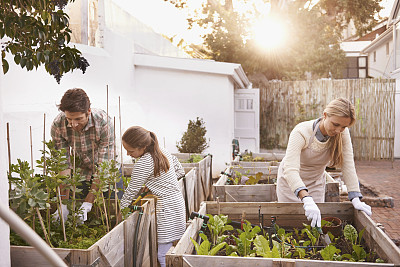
[{"x": 269, "y": 33}]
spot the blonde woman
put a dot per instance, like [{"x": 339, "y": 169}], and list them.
[
  {"x": 314, "y": 145},
  {"x": 159, "y": 171}
]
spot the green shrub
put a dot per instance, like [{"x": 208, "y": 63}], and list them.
[{"x": 193, "y": 140}]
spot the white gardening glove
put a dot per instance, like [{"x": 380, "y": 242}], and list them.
[
  {"x": 65, "y": 212},
  {"x": 312, "y": 211},
  {"x": 83, "y": 211},
  {"x": 358, "y": 205}
]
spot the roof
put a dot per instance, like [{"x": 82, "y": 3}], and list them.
[
  {"x": 233, "y": 70},
  {"x": 379, "y": 41}
]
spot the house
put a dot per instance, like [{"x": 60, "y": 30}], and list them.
[{"x": 384, "y": 62}]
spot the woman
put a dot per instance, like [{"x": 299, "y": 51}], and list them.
[
  {"x": 159, "y": 171},
  {"x": 314, "y": 145}
]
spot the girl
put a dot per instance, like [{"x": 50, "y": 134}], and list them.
[
  {"x": 314, "y": 145},
  {"x": 159, "y": 171}
]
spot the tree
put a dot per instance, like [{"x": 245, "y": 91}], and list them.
[
  {"x": 314, "y": 31},
  {"x": 193, "y": 140},
  {"x": 37, "y": 33}
]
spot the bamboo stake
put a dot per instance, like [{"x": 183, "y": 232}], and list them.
[
  {"x": 43, "y": 228},
  {"x": 115, "y": 184},
  {"x": 61, "y": 212},
  {"x": 73, "y": 173},
  {"x": 120, "y": 136},
  {"x": 9, "y": 156},
  {"x": 30, "y": 131},
  {"x": 105, "y": 214},
  {"x": 108, "y": 131},
  {"x": 33, "y": 215},
  {"x": 44, "y": 174}
]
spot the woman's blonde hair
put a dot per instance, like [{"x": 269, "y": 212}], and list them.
[
  {"x": 138, "y": 137},
  {"x": 340, "y": 107}
]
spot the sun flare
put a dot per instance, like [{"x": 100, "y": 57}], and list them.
[{"x": 269, "y": 33}]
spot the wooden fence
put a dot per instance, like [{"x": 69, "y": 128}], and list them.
[{"x": 283, "y": 104}]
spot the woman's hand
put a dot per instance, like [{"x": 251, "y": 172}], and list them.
[
  {"x": 312, "y": 211},
  {"x": 359, "y": 205}
]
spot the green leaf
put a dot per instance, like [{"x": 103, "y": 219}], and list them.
[
  {"x": 17, "y": 59},
  {"x": 217, "y": 248},
  {"x": 329, "y": 252},
  {"x": 23, "y": 62},
  {"x": 31, "y": 202},
  {"x": 350, "y": 233},
  {"x": 5, "y": 66}
]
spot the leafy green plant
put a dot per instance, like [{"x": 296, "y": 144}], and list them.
[
  {"x": 205, "y": 247},
  {"x": 193, "y": 140},
  {"x": 246, "y": 237},
  {"x": 330, "y": 253},
  {"x": 194, "y": 158},
  {"x": 263, "y": 249},
  {"x": 217, "y": 225},
  {"x": 254, "y": 179}
]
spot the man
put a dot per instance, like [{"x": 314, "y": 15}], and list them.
[{"x": 87, "y": 131}]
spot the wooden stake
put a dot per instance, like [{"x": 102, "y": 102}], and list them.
[
  {"x": 120, "y": 136},
  {"x": 108, "y": 131},
  {"x": 43, "y": 228},
  {"x": 61, "y": 212},
  {"x": 30, "y": 131},
  {"x": 115, "y": 184},
  {"x": 9, "y": 156}
]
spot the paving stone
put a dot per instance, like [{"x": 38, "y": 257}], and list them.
[{"x": 384, "y": 177}]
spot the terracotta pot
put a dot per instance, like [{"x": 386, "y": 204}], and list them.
[{"x": 335, "y": 228}]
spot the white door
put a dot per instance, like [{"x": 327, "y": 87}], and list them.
[{"x": 247, "y": 119}]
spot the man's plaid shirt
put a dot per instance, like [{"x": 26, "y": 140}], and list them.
[{"x": 96, "y": 131}]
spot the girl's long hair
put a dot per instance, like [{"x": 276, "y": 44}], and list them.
[
  {"x": 341, "y": 107},
  {"x": 138, "y": 137}
]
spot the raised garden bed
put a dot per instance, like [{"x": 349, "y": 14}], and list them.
[
  {"x": 261, "y": 192},
  {"x": 114, "y": 249},
  {"x": 288, "y": 216}
]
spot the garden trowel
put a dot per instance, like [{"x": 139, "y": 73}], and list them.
[{"x": 325, "y": 237}]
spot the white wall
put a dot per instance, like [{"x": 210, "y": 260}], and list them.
[
  {"x": 382, "y": 67},
  {"x": 172, "y": 98}
]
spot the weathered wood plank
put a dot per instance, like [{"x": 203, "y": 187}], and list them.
[
  {"x": 196, "y": 260},
  {"x": 376, "y": 239}
]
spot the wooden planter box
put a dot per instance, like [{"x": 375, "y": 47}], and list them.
[
  {"x": 204, "y": 176},
  {"x": 289, "y": 215},
  {"x": 259, "y": 192},
  {"x": 114, "y": 249}
]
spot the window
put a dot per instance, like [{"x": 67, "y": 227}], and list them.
[
  {"x": 357, "y": 67},
  {"x": 374, "y": 56},
  {"x": 244, "y": 104}
]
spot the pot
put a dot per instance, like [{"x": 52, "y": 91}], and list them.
[{"x": 335, "y": 226}]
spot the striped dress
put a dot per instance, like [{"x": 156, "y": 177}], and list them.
[{"x": 170, "y": 204}]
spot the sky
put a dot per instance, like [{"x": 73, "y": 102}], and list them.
[{"x": 164, "y": 18}]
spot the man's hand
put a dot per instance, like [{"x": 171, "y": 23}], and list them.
[
  {"x": 312, "y": 211},
  {"x": 83, "y": 211},
  {"x": 359, "y": 205},
  {"x": 65, "y": 212}
]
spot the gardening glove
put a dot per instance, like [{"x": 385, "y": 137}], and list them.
[
  {"x": 312, "y": 211},
  {"x": 83, "y": 211},
  {"x": 65, "y": 212},
  {"x": 358, "y": 205}
]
